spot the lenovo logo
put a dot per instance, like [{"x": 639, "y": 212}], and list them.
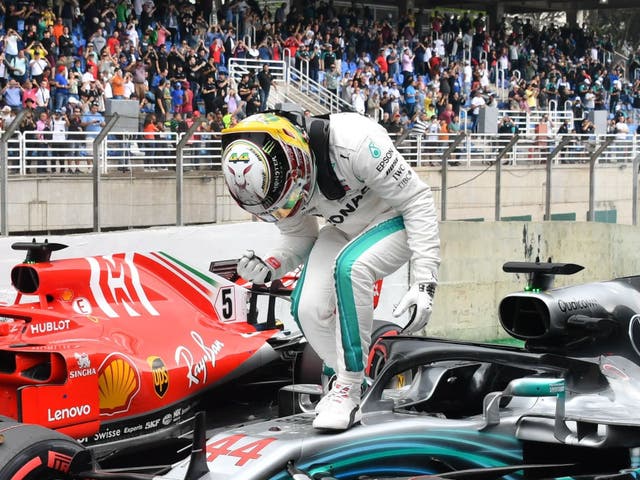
[{"x": 66, "y": 413}]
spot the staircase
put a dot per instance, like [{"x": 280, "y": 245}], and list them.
[{"x": 291, "y": 86}]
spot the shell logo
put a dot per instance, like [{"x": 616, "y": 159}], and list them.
[{"x": 118, "y": 383}]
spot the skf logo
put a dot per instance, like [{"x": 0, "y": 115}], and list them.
[
  {"x": 243, "y": 157},
  {"x": 160, "y": 375}
]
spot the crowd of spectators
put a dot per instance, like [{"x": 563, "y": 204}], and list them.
[{"x": 62, "y": 60}]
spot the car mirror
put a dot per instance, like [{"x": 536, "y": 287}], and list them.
[{"x": 528, "y": 387}]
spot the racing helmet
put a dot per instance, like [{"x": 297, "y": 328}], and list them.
[{"x": 268, "y": 166}]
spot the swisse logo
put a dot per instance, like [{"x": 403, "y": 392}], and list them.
[
  {"x": 49, "y": 327},
  {"x": 66, "y": 413},
  {"x": 577, "y": 304}
]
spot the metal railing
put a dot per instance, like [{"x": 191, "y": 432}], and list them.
[
  {"x": 295, "y": 85},
  {"x": 526, "y": 121},
  {"x": 28, "y": 153},
  {"x": 241, "y": 66}
]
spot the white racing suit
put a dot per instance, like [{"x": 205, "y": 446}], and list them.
[{"x": 386, "y": 218}]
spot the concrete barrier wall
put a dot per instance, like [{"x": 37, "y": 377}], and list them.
[
  {"x": 66, "y": 203},
  {"x": 472, "y": 281},
  {"x": 471, "y": 278}
]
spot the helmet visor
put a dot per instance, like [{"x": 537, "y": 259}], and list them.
[{"x": 288, "y": 206}]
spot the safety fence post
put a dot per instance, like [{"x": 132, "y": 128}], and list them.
[
  {"x": 188, "y": 135},
  {"x": 4, "y": 170},
  {"x": 552, "y": 154},
  {"x": 501, "y": 154},
  {"x": 592, "y": 176},
  {"x": 634, "y": 199},
  {"x": 444, "y": 167},
  {"x": 97, "y": 144}
]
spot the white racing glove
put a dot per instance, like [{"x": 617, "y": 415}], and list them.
[
  {"x": 253, "y": 269},
  {"x": 420, "y": 297}
]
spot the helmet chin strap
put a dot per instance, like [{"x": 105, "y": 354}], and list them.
[{"x": 326, "y": 176}]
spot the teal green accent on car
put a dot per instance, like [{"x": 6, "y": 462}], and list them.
[{"x": 464, "y": 448}]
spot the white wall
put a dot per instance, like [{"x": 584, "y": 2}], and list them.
[
  {"x": 471, "y": 280},
  {"x": 197, "y": 246}
]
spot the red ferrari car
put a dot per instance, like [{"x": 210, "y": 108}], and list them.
[{"x": 117, "y": 349}]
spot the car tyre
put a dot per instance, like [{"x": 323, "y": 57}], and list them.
[
  {"x": 32, "y": 452},
  {"x": 377, "y": 353}
]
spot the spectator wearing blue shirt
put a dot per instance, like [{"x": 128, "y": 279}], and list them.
[
  {"x": 93, "y": 121},
  {"x": 177, "y": 98},
  {"x": 410, "y": 98},
  {"x": 12, "y": 93},
  {"x": 62, "y": 87}
]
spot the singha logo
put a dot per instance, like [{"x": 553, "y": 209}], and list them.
[{"x": 83, "y": 360}]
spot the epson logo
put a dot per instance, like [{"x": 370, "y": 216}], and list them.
[
  {"x": 65, "y": 413},
  {"x": 385, "y": 160},
  {"x": 578, "y": 304}
]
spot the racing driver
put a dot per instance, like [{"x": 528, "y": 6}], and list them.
[{"x": 292, "y": 170}]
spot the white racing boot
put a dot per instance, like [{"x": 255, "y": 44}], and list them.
[
  {"x": 327, "y": 384},
  {"x": 340, "y": 408}
]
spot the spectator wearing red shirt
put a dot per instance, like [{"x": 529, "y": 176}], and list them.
[
  {"x": 434, "y": 64},
  {"x": 187, "y": 98},
  {"x": 216, "y": 49},
  {"x": 447, "y": 114},
  {"x": 293, "y": 43},
  {"x": 383, "y": 67},
  {"x": 112, "y": 41},
  {"x": 92, "y": 68}
]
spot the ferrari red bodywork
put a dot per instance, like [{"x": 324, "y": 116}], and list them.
[{"x": 115, "y": 347}]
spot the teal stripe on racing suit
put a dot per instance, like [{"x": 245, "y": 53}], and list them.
[
  {"x": 347, "y": 309},
  {"x": 295, "y": 296}
]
